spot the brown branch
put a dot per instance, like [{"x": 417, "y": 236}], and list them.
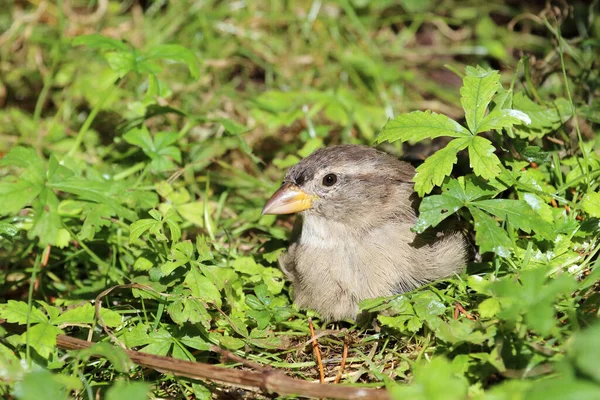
[
  {"x": 271, "y": 381},
  {"x": 343, "y": 364},
  {"x": 317, "y": 351}
]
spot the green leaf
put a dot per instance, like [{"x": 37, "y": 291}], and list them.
[
  {"x": 15, "y": 312},
  {"x": 27, "y": 159},
  {"x": 138, "y": 228},
  {"x": 181, "y": 254},
  {"x": 585, "y": 351},
  {"x": 479, "y": 86},
  {"x": 79, "y": 315},
  {"x": 202, "y": 287},
  {"x": 436, "y": 380},
  {"x": 456, "y": 193},
  {"x": 195, "y": 311},
  {"x": 462, "y": 331},
  {"x": 42, "y": 337},
  {"x": 115, "y": 355},
  {"x": 102, "y": 192},
  {"x": 489, "y": 236},
  {"x": 128, "y": 390},
  {"x": 140, "y": 137},
  {"x": 519, "y": 214},
  {"x": 436, "y": 167},
  {"x": 543, "y": 119},
  {"x": 17, "y": 194},
  {"x": 489, "y": 308},
  {"x": 247, "y": 265},
  {"x": 40, "y": 384},
  {"x": 591, "y": 204},
  {"x": 7, "y": 230},
  {"x": 563, "y": 388},
  {"x": 434, "y": 209},
  {"x": 97, "y": 216},
  {"x": 533, "y": 296},
  {"x": 121, "y": 62},
  {"x": 483, "y": 160},
  {"x": 175, "y": 53},
  {"x": 505, "y": 118},
  {"x": 47, "y": 224},
  {"x": 161, "y": 342},
  {"x": 419, "y": 125},
  {"x": 97, "y": 41}
]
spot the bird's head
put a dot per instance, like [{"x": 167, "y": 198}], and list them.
[{"x": 345, "y": 183}]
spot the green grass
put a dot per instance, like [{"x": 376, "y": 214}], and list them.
[{"x": 139, "y": 148}]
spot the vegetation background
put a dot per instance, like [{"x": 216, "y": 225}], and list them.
[{"x": 140, "y": 140}]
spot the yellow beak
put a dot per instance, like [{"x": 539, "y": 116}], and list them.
[{"x": 288, "y": 199}]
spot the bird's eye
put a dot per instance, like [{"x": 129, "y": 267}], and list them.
[{"x": 329, "y": 179}]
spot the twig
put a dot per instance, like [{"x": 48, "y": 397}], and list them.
[
  {"x": 317, "y": 351},
  {"x": 271, "y": 381},
  {"x": 458, "y": 307},
  {"x": 343, "y": 364}
]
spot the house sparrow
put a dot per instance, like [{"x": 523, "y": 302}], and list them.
[{"x": 352, "y": 240}]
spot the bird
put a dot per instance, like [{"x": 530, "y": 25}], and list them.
[{"x": 352, "y": 238}]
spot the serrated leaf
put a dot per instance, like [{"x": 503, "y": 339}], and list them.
[
  {"x": 591, "y": 204},
  {"x": 463, "y": 331},
  {"x": 42, "y": 337},
  {"x": 97, "y": 191},
  {"x": 16, "y": 312},
  {"x": 138, "y": 228},
  {"x": 140, "y": 137},
  {"x": 97, "y": 216},
  {"x": 27, "y": 159},
  {"x": 121, "y": 62},
  {"x": 489, "y": 236},
  {"x": 78, "y": 315},
  {"x": 479, "y": 86},
  {"x": 195, "y": 311},
  {"x": 456, "y": 193},
  {"x": 160, "y": 342},
  {"x": 46, "y": 223},
  {"x": 483, "y": 160},
  {"x": 419, "y": 125},
  {"x": 436, "y": 167},
  {"x": 202, "y": 287},
  {"x": 533, "y": 296},
  {"x": 501, "y": 119},
  {"x": 175, "y": 53},
  {"x": 518, "y": 213},
  {"x": 97, "y": 41},
  {"x": 17, "y": 194},
  {"x": 489, "y": 308},
  {"x": 541, "y": 116},
  {"x": 434, "y": 209}
]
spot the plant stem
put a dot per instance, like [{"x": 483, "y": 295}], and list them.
[{"x": 36, "y": 267}]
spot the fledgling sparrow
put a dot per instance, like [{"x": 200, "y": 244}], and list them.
[{"x": 352, "y": 240}]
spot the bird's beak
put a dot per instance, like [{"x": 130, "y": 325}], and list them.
[{"x": 288, "y": 199}]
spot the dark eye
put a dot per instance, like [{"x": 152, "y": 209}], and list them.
[{"x": 329, "y": 179}]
